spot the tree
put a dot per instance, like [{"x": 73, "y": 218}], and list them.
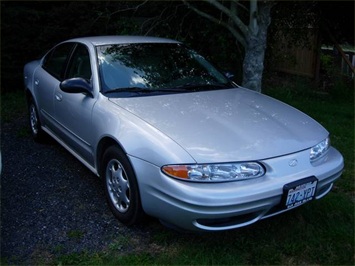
[{"x": 248, "y": 30}]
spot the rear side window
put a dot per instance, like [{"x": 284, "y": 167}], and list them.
[{"x": 55, "y": 62}]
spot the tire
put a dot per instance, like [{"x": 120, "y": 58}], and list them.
[
  {"x": 121, "y": 187},
  {"x": 35, "y": 124}
]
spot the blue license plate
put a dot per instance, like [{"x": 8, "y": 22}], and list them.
[{"x": 299, "y": 192}]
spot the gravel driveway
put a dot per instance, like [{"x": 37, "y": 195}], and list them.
[{"x": 50, "y": 203}]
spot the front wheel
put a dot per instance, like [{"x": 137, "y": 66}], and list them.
[{"x": 121, "y": 187}]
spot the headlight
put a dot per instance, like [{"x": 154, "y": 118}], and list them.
[
  {"x": 319, "y": 150},
  {"x": 215, "y": 172}
]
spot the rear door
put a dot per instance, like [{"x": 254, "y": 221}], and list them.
[{"x": 47, "y": 79}]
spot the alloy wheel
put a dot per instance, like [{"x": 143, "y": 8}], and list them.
[{"x": 118, "y": 185}]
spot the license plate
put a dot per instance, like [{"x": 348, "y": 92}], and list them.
[{"x": 299, "y": 192}]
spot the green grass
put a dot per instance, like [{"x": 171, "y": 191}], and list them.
[
  {"x": 318, "y": 233},
  {"x": 75, "y": 234},
  {"x": 311, "y": 235}
]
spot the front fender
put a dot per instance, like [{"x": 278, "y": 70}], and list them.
[{"x": 138, "y": 138}]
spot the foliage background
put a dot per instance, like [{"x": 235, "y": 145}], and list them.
[{"x": 30, "y": 28}]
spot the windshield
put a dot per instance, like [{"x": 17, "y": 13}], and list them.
[{"x": 155, "y": 67}]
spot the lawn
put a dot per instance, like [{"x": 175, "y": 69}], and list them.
[{"x": 321, "y": 232}]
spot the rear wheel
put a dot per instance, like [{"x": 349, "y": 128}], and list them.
[
  {"x": 121, "y": 187},
  {"x": 35, "y": 124}
]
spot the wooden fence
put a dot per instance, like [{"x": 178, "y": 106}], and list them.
[
  {"x": 305, "y": 61},
  {"x": 302, "y": 61}
]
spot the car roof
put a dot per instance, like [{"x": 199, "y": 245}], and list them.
[{"x": 115, "y": 39}]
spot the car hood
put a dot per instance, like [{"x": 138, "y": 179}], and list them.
[{"x": 227, "y": 125}]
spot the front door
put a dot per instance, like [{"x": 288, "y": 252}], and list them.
[{"x": 73, "y": 110}]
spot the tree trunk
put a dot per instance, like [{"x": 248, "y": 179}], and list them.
[{"x": 253, "y": 64}]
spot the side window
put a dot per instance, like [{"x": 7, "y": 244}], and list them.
[
  {"x": 79, "y": 66},
  {"x": 55, "y": 61}
]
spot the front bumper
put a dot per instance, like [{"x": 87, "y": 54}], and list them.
[{"x": 229, "y": 205}]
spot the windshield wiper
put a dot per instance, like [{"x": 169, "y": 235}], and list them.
[
  {"x": 188, "y": 87},
  {"x": 140, "y": 90},
  {"x": 201, "y": 87},
  {"x": 129, "y": 89}
]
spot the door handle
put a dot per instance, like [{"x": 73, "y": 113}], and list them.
[
  {"x": 36, "y": 81},
  {"x": 58, "y": 97}
]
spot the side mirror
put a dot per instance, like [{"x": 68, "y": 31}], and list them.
[{"x": 76, "y": 85}]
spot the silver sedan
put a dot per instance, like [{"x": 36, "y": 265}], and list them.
[{"x": 172, "y": 137}]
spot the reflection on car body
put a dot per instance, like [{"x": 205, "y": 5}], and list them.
[{"x": 174, "y": 138}]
